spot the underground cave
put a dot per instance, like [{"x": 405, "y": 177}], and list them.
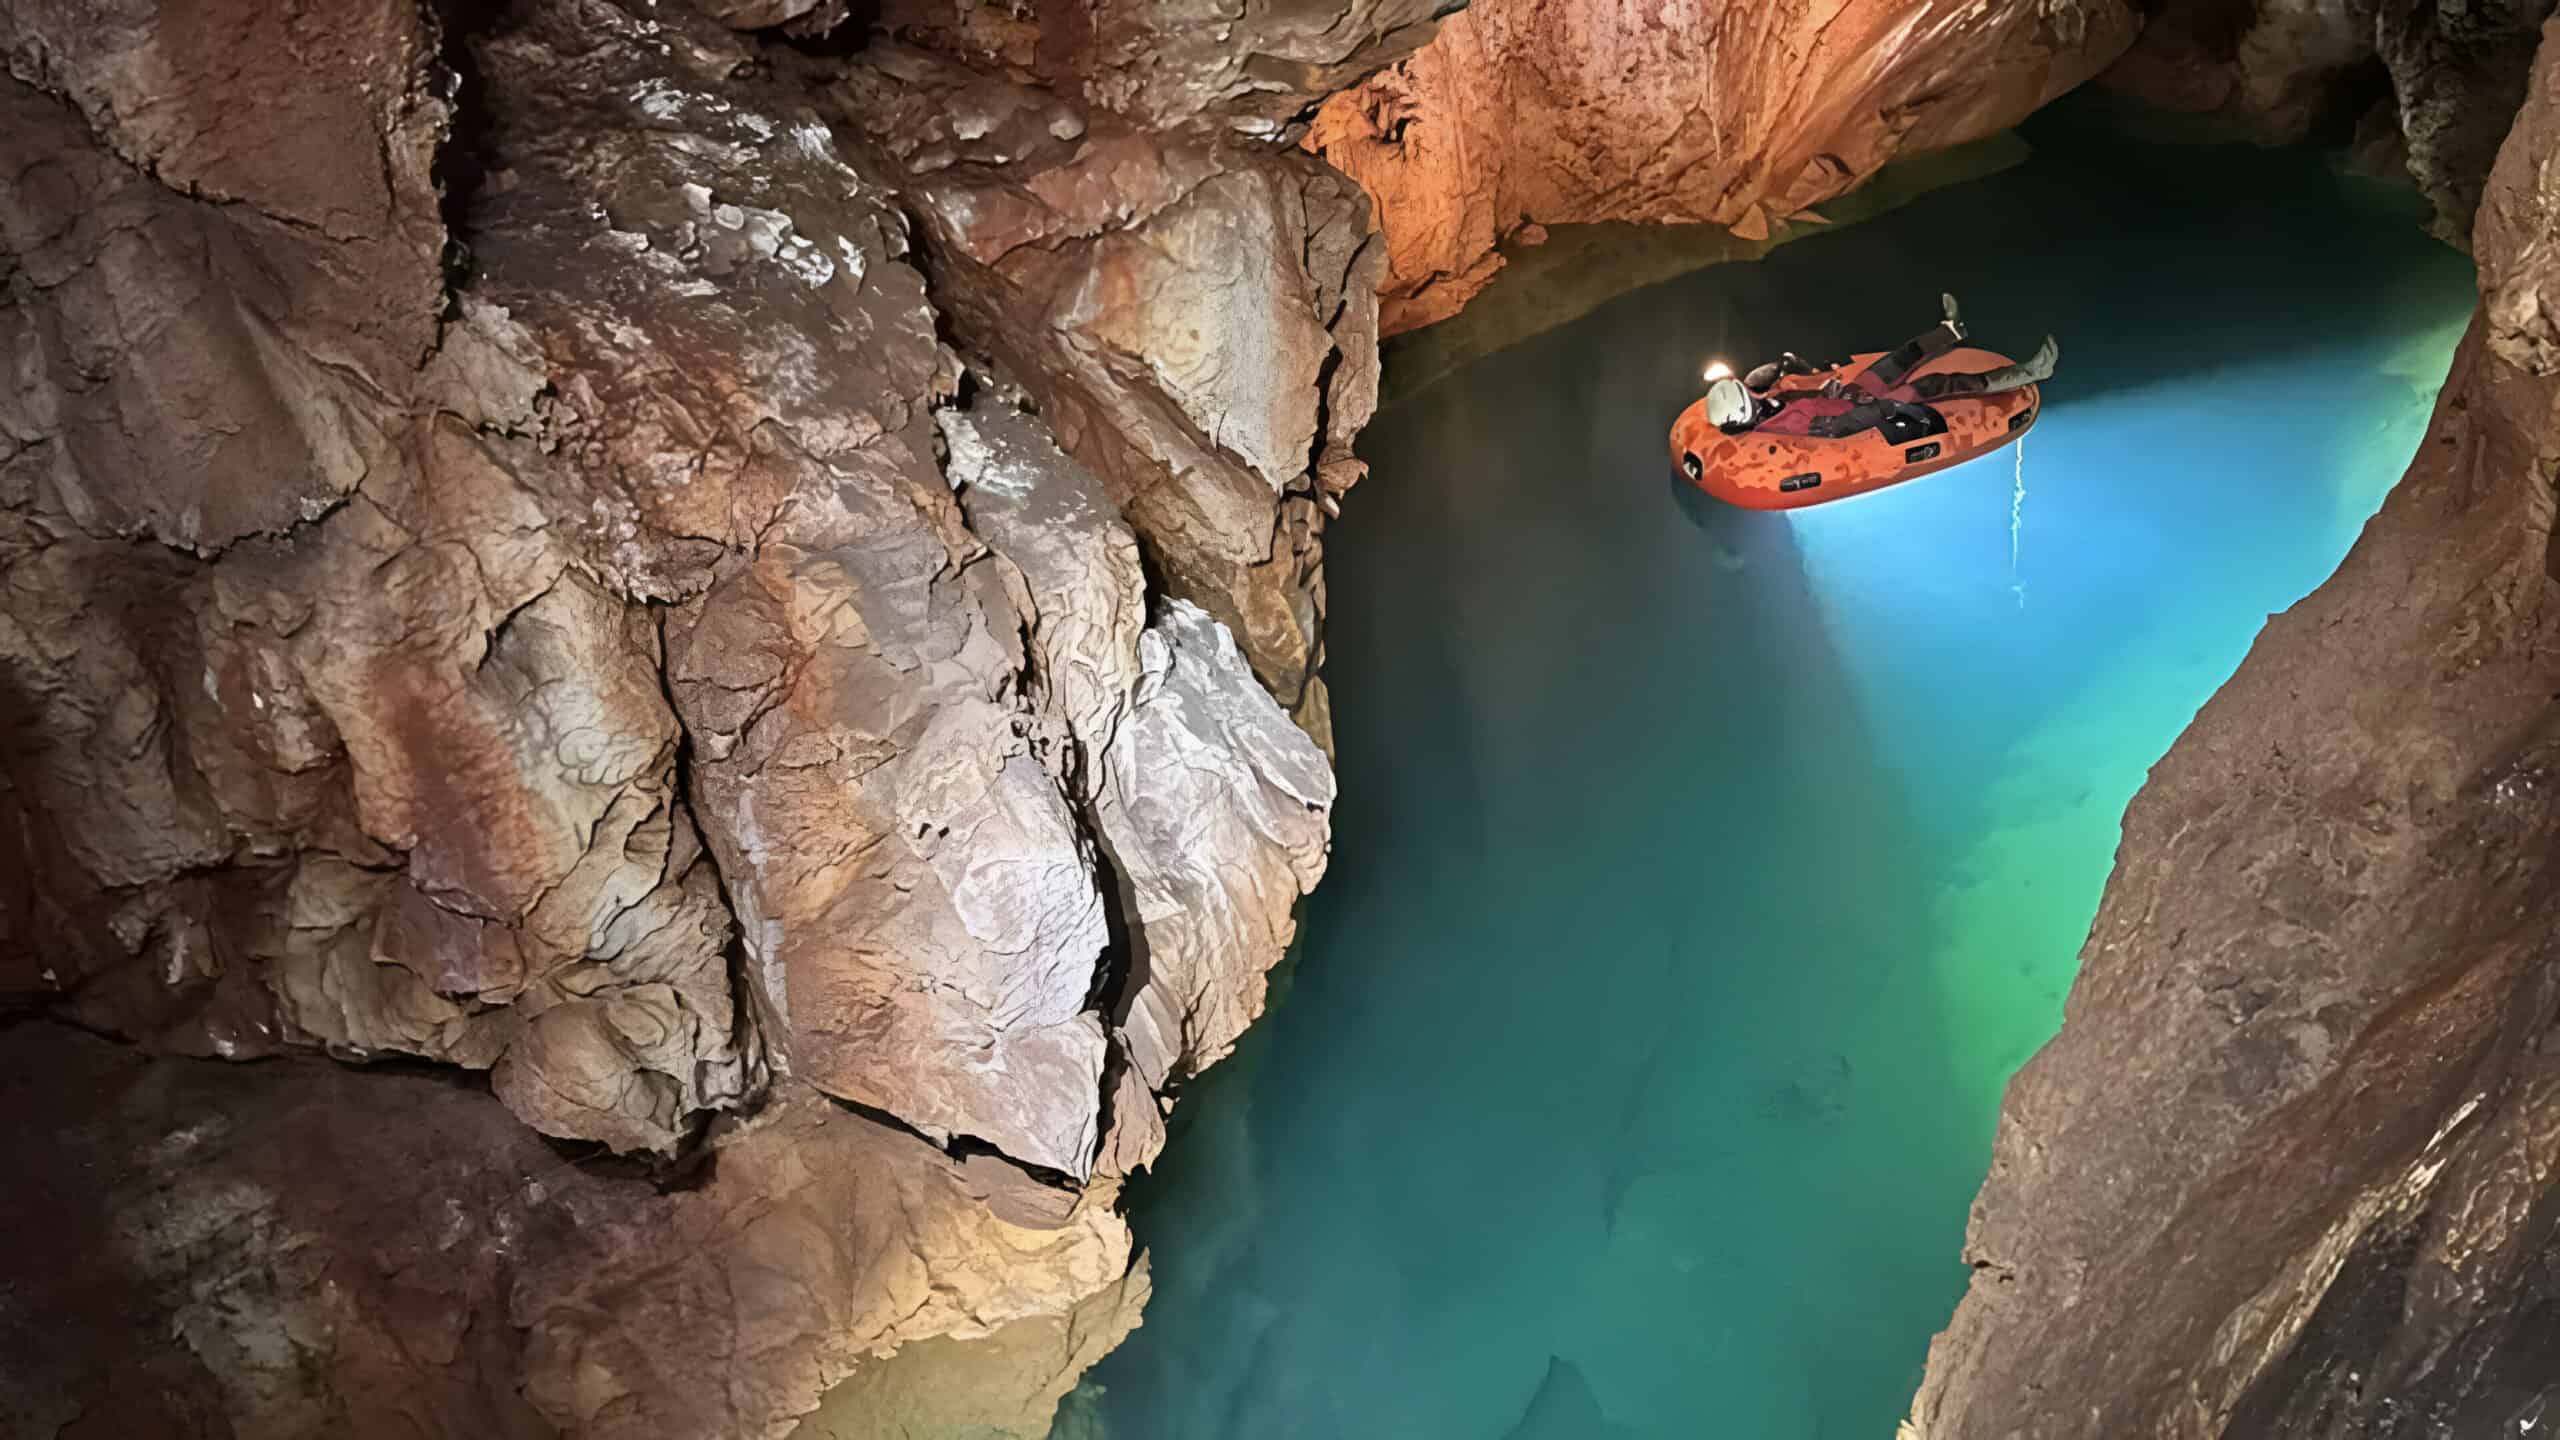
[{"x": 670, "y": 667}]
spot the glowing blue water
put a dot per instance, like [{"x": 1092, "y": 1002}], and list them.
[{"x": 1700, "y": 876}]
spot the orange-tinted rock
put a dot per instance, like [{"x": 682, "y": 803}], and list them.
[{"x": 1555, "y": 111}]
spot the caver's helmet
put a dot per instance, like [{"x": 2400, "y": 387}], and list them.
[{"x": 1728, "y": 404}]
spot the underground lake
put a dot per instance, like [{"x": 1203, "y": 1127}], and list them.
[{"x": 1700, "y": 876}]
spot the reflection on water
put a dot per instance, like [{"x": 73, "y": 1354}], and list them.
[{"x": 1700, "y": 876}]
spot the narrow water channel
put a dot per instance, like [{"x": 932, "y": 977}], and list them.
[{"x": 1701, "y": 876}]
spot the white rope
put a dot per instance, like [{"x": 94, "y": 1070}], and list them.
[{"x": 2017, "y": 522}]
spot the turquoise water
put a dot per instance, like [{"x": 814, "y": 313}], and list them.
[{"x": 1700, "y": 876}]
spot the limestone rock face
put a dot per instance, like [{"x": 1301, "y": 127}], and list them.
[
  {"x": 503, "y": 571},
  {"x": 1249, "y": 64},
  {"x": 343, "y": 747},
  {"x": 1209, "y": 806},
  {"x": 1544, "y": 111},
  {"x": 1196, "y": 318},
  {"x": 2288, "y": 1169},
  {"x": 753, "y": 389}
]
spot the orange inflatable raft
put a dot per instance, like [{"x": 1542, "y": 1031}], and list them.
[{"x": 1763, "y": 471}]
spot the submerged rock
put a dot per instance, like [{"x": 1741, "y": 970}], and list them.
[
  {"x": 1565, "y": 1409},
  {"x": 2288, "y": 1169}
]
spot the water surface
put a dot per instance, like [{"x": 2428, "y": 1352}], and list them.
[{"x": 1701, "y": 876}]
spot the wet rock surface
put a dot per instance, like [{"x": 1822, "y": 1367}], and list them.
[
  {"x": 1528, "y": 112},
  {"x": 2288, "y": 1168}
]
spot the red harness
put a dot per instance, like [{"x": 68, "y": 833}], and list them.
[
  {"x": 1802, "y": 404},
  {"x": 1803, "y": 407}
]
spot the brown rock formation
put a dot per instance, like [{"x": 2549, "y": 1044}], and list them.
[
  {"x": 1548, "y": 111},
  {"x": 1164, "y": 63},
  {"x": 1195, "y": 315},
  {"x": 2289, "y": 1168},
  {"x": 457, "y": 1277},
  {"x": 650, "y": 667}
]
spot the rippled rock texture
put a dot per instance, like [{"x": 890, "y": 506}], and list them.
[
  {"x": 2292, "y": 1166},
  {"x": 1539, "y": 112},
  {"x": 510, "y": 571}
]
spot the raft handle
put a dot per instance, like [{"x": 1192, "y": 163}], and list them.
[
  {"x": 2019, "y": 421},
  {"x": 1806, "y": 481},
  {"x": 1689, "y": 464},
  {"x": 1918, "y": 453}
]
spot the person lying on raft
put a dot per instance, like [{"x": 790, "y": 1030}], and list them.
[{"x": 1833, "y": 409}]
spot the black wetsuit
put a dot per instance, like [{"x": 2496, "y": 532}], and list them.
[{"x": 1889, "y": 371}]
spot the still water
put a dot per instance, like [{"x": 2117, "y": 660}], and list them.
[{"x": 1701, "y": 876}]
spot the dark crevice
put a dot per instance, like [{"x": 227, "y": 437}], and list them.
[
  {"x": 1122, "y": 970},
  {"x": 1324, "y": 413},
  {"x": 498, "y": 632},
  {"x": 689, "y": 1165},
  {"x": 749, "y": 1022},
  {"x": 889, "y": 1120},
  {"x": 966, "y": 1147},
  {"x": 462, "y": 163},
  {"x": 1126, "y": 966}
]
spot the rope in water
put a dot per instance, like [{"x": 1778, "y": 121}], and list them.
[{"x": 2017, "y": 521}]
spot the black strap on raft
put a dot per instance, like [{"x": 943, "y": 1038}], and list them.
[{"x": 1919, "y": 350}]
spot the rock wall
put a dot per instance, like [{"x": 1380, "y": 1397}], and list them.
[
  {"x": 1194, "y": 314},
  {"x": 2292, "y": 1166},
  {"x": 509, "y": 570},
  {"x": 703, "y": 627},
  {"x": 1528, "y": 112},
  {"x": 1250, "y": 68},
  {"x": 2443, "y": 78}
]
